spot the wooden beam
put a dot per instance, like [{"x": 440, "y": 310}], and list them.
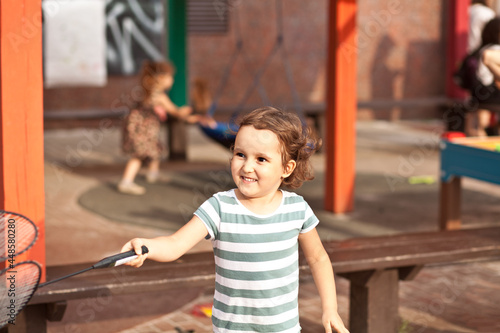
[
  {"x": 341, "y": 109},
  {"x": 21, "y": 116}
]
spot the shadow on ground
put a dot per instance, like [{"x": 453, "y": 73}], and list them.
[{"x": 386, "y": 204}]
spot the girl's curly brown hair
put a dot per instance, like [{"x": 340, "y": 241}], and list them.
[
  {"x": 296, "y": 140},
  {"x": 150, "y": 70}
]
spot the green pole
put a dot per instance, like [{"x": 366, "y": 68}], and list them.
[
  {"x": 177, "y": 49},
  {"x": 177, "y": 53}
]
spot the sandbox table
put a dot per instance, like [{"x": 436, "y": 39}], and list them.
[{"x": 472, "y": 157}]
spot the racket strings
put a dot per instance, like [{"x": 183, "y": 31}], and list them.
[
  {"x": 17, "y": 234},
  {"x": 17, "y": 285}
]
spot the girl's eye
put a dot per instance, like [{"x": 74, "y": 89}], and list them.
[
  {"x": 239, "y": 154},
  {"x": 261, "y": 159}
]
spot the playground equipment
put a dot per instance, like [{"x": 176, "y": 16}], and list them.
[{"x": 225, "y": 132}]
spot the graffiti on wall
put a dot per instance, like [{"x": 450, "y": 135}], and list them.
[{"x": 134, "y": 32}]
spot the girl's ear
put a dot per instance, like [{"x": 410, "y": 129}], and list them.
[{"x": 289, "y": 167}]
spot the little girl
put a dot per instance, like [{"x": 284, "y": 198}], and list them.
[
  {"x": 142, "y": 125},
  {"x": 255, "y": 231}
]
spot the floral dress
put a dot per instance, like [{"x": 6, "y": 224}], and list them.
[{"x": 141, "y": 134}]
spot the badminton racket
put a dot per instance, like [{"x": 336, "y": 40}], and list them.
[
  {"x": 19, "y": 282},
  {"x": 17, "y": 234}
]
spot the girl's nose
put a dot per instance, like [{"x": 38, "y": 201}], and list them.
[{"x": 248, "y": 166}]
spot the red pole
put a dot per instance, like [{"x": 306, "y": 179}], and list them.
[
  {"x": 456, "y": 48},
  {"x": 340, "y": 142},
  {"x": 21, "y": 116}
]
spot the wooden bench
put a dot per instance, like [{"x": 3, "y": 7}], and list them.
[{"x": 373, "y": 265}]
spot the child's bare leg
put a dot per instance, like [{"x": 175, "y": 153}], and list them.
[
  {"x": 153, "y": 171},
  {"x": 127, "y": 184},
  {"x": 471, "y": 123},
  {"x": 131, "y": 169},
  {"x": 483, "y": 121}
]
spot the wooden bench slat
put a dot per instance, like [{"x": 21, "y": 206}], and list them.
[
  {"x": 193, "y": 270},
  {"x": 413, "y": 249},
  {"x": 416, "y": 238}
]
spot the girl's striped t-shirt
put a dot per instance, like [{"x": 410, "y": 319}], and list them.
[{"x": 256, "y": 258}]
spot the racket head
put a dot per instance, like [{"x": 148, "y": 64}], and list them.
[
  {"x": 18, "y": 283},
  {"x": 17, "y": 234}
]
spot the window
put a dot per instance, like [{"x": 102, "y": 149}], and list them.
[{"x": 208, "y": 16}]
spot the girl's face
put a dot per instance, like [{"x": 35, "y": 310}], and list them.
[
  {"x": 164, "y": 81},
  {"x": 256, "y": 165}
]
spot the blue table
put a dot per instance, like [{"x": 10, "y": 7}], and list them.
[{"x": 465, "y": 157}]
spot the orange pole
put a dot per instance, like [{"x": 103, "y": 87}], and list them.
[
  {"x": 341, "y": 106},
  {"x": 21, "y": 116}
]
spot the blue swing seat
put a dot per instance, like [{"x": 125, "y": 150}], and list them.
[{"x": 224, "y": 133}]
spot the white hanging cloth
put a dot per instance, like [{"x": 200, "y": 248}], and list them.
[{"x": 74, "y": 43}]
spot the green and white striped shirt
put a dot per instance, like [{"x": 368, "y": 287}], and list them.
[{"x": 256, "y": 258}]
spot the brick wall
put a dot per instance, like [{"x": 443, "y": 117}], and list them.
[{"x": 400, "y": 56}]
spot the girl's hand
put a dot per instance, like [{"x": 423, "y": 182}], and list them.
[
  {"x": 184, "y": 111},
  {"x": 136, "y": 245},
  {"x": 333, "y": 320},
  {"x": 208, "y": 121},
  {"x": 160, "y": 112}
]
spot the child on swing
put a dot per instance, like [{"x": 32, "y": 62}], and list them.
[
  {"x": 255, "y": 231},
  {"x": 201, "y": 100}
]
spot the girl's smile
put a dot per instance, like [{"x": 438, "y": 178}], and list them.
[
  {"x": 248, "y": 180},
  {"x": 257, "y": 165}
]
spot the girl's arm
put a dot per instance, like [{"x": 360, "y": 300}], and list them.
[
  {"x": 204, "y": 120},
  {"x": 321, "y": 269},
  {"x": 168, "y": 248},
  {"x": 166, "y": 103}
]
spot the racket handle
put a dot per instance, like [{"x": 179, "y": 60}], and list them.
[{"x": 119, "y": 259}]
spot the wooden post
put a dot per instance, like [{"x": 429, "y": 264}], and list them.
[
  {"x": 33, "y": 318},
  {"x": 21, "y": 116},
  {"x": 341, "y": 106},
  {"x": 374, "y": 301},
  {"x": 450, "y": 204}
]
